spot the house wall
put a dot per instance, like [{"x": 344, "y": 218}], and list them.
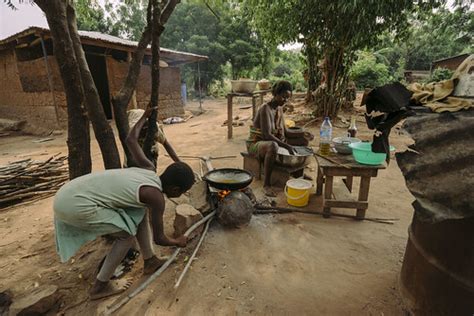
[
  {"x": 451, "y": 63},
  {"x": 25, "y": 95},
  {"x": 170, "y": 103},
  {"x": 25, "y": 92}
]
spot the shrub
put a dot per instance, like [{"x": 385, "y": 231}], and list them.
[
  {"x": 440, "y": 74},
  {"x": 368, "y": 73}
]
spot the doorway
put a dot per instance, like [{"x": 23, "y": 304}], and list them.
[{"x": 98, "y": 68}]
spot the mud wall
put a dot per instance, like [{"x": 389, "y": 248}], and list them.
[
  {"x": 170, "y": 103},
  {"x": 25, "y": 95}
]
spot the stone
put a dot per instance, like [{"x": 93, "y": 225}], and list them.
[
  {"x": 11, "y": 125},
  {"x": 235, "y": 210},
  {"x": 198, "y": 197},
  {"x": 37, "y": 302},
  {"x": 186, "y": 216},
  {"x": 5, "y": 302}
]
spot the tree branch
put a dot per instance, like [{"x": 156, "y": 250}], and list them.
[{"x": 165, "y": 15}]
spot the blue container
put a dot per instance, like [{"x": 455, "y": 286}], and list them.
[
  {"x": 184, "y": 93},
  {"x": 363, "y": 154}
]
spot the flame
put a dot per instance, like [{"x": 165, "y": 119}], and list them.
[{"x": 223, "y": 193}]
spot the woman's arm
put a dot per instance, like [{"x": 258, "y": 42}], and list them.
[
  {"x": 155, "y": 200},
  {"x": 134, "y": 147},
  {"x": 265, "y": 127}
]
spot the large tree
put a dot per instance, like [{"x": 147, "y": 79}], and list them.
[
  {"x": 82, "y": 98},
  {"x": 332, "y": 31}
]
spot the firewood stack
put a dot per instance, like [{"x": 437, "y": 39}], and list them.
[{"x": 28, "y": 180}]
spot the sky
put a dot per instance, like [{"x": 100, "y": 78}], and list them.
[{"x": 12, "y": 22}]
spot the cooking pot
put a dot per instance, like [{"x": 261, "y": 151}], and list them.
[{"x": 228, "y": 178}]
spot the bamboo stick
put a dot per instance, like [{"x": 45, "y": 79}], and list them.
[
  {"x": 188, "y": 264},
  {"x": 282, "y": 210},
  {"x": 151, "y": 278}
]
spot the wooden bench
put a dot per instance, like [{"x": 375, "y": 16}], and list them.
[
  {"x": 344, "y": 166},
  {"x": 280, "y": 174}
]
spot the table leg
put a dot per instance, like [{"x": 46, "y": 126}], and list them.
[
  {"x": 319, "y": 182},
  {"x": 363, "y": 195},
  {"x": 254, "y": 107},
  {"x": 261, "y": 99},
  {"x": 327, "y": 196},
  {"x": 229, "y": 117},
  {"x": 348, "y": 181}
]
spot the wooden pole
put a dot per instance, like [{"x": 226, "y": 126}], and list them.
[
  {"x": 134, "y": 93},
  {"x": 50, "y": 80},
  {"x": 229, "y": 116}
]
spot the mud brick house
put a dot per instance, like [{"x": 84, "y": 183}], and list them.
[
  {"x": 31, "y": 88},
  {"x": 451, "y": 63}
]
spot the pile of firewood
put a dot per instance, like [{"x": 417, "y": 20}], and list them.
[{"x": 29, "y": 180}]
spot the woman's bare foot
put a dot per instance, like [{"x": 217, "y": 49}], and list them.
[
  {"x": 152, "y": 264},
  {"x": 268, "y": 191},
  {"x": 105, "y": 289}
]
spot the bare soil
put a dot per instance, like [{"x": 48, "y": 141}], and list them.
[{"x": 293, "y": 264}]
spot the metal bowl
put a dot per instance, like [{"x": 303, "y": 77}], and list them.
[
  {"x": 293, "y": 161},
  {"x": 243, "y": 86},
  {"x": 341, "y": 144}
]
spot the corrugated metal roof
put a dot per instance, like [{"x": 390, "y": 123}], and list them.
[
  {"x": 452, "y": 57},
  {"x": 438, "y": 167},
  {"x": 99, "y": 37}
]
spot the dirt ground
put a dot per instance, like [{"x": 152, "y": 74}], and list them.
[{"x": 294, "y": 264}]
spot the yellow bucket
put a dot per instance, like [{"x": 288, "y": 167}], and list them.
[{"x": 297, "y": 192}]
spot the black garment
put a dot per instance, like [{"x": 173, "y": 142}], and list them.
[{"x": 393, "y": 100}]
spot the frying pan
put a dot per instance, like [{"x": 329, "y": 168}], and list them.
[{"x": 228, "y": 178}]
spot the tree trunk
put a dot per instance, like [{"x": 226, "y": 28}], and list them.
[
  {"x": 312, "y": 63},
  {"x": 102, "y": 130},
  {"x": 329, "y": 100},
  {"x": 79, "y": 158},
  {"x": 121, "y": 100},
  {"x": 157, "y": 29}
]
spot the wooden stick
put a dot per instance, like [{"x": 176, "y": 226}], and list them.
[
  {"x": 151, "y": 278},
  {"x": 188, "y": 264},
  {"x": 282, "y": 210}
]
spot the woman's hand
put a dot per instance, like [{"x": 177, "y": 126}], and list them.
[
  {"x": 290, "y": 149},
  {"x": 181, "y": 241}
]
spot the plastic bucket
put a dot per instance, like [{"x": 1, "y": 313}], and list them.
[{"x": 297, "y": 192}]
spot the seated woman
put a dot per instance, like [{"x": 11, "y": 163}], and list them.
[{"x": 268, "y": 132}]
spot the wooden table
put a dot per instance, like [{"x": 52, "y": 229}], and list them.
[
  {"x": 254, "y": 95},
  {"x": 337, "y": 165}
]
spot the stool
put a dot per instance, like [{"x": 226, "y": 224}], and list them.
[{"x": 280, "y": 174}]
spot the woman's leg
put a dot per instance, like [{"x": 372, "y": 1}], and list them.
[
  {"x": 144, "y": 238},
  {"x": 102, "y": 287}
]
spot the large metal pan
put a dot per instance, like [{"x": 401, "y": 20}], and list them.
[{"x": 228, "y": 178}]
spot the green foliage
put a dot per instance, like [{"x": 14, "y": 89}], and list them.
[
  {"x": 367, "y": 72},
  {"x": 438, "y": 35},
  {"x": 221, "y": 31},
  {"x": 333, "y": 30},
  {"x": 440, "y": 74},
  {"x": 288, "y": 65},
  {"x": 91, "y": 17}
]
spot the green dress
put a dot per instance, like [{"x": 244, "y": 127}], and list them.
[{"x": 97, "y": 204}]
